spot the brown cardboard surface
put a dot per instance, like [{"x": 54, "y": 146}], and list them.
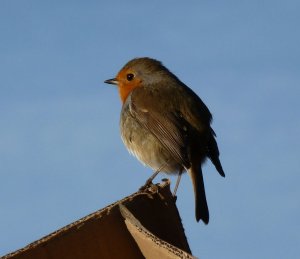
[
  {"x": 103, "y": 234},
  {"x": 150, "y": 245}
]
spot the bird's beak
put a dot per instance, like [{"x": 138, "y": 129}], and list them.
[{"x": 112, "y": 81}]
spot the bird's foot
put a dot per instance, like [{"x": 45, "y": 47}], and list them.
[{"x": 147, "y": 185}]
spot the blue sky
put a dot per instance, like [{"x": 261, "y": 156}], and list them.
[{"x": 61, "y": 156}]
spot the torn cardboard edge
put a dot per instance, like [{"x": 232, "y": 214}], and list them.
[
  {"x": 151, "y": 246},
  {"x": 152, "y": 223}
]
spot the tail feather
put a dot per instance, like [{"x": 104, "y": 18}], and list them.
[
  {"x": 201, "y": 208},
  {"x": 213, "y": 154}
]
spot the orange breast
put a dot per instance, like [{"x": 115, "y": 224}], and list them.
[
  {"x": 125, "y": 90},
  {"x": 125, "y": 86}
]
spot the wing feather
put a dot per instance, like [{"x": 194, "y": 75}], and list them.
[{"x": 166, "y": 125}]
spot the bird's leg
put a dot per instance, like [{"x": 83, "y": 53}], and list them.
[
  {"x": 177, "y": 184},
  {"x": 149, "y": 181}
]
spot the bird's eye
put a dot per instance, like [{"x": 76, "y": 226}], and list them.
[{"x": 130, "y": 77}]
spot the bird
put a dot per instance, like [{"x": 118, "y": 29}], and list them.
[{"x": 166, "y": 125}]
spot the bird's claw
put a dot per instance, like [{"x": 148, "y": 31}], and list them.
[{"x": 146, "y": 186}]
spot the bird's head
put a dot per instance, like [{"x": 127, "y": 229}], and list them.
[{"x": 139, "y": 72}]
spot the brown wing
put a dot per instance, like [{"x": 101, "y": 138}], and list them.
[
  {"x": 162, "y": 120},
  {"x": 194, "y": 109}
]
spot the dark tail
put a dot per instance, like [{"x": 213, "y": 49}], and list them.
[
  {"x": 201, "y": 208},
  {"x": 213, "y": 153}
]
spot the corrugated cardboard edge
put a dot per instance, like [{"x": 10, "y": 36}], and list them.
[
  {"x": 157, "y": 199},
  {"x": 77, "y": 224},
  {"x": 150, "y": 245}
]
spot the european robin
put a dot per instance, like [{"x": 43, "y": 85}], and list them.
[{"x": 166, "y": 125}]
